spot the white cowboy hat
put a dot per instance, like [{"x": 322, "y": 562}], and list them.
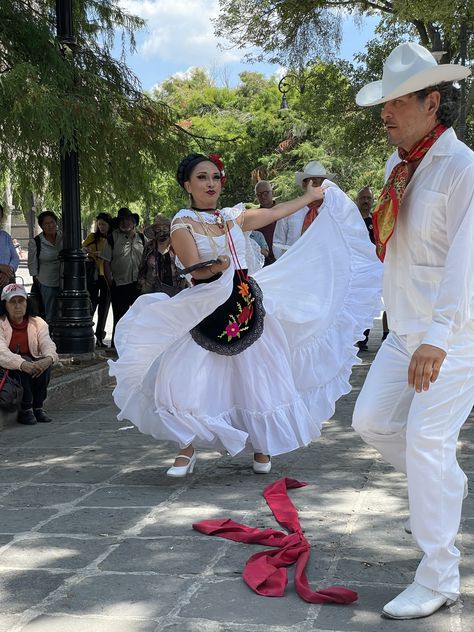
[
  {"x": 408, "y": 68},
  {"x": 313, "y": 169}
]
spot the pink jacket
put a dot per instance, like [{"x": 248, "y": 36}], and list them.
[{"x": 39, "y": 342}]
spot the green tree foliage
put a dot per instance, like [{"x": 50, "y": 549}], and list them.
[
  {"x": 86, "y": 97},
  {"x": 293, "y": 31},
  {"x": 257, "y": 141}
]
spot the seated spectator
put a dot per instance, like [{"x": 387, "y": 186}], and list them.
[
  {"x": 43, "y": 261},
  {"x": 157, "y": 270},
  {"x": 27, "y": 350},
  {"x": 97, "y": 286},
  {"x": 9, "y": 259}
]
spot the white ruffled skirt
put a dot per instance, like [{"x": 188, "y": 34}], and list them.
[{"x": 273, "y": 397}]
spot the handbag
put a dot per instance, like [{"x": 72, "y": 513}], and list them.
[
  {"x": 36, "y": 299},
  {"x": 11, "y": 391}
]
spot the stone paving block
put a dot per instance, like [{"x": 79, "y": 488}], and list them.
[
  {"x": 179, "y": 521},
  {"x": 197, "y": 625},
  {"x": 65, "y": 623},
  {"x": 117, "y": 595},
  {"x": 53, "y": 552},
  {"x": 23, "y": 456},
  {"x": 126, "y": 496},
  {"x": 66, "y": 440},
  {"x": 96, "y": 521},
  {"x": 223, "y": 497},
  {"x": 165, "y": 556},
  {"x": 8, "y": 621},
  {"x": 233, "y": 601},
  {"x": 365, "y": 614},
  {"x": 22, "y": 589},
  {"x": 18, "y": 474},
  {"x": 42, "y": 495},
  {"x": 75, "y": 473},
  {"x": 4, "y": 539},
  {"x": 104, "y": 455},
  {"x": 369, "y": 566},
  {"x": 147, "y": 475},
  {"x": 22, "y": 519}
]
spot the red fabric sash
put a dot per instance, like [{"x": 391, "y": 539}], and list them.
[
  {"x": 311, "y": 215},
  {"x": 265, "y": 572},
  {"x": 385, "y": 213}
]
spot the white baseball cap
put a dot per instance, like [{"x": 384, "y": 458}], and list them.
[{"x": 13, "y": 289}]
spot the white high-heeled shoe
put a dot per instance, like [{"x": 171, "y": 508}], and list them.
[
  {"x": 179, "y": 471},
  {"x": 262, "y": 468}
]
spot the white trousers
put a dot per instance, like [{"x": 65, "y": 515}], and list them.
[{"x": 417, "y": 433}]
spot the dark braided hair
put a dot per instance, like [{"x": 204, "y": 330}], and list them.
[{"x": 186, "y": 166}]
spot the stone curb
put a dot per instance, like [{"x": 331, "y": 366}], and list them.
[{"x": 67, "y": 388}]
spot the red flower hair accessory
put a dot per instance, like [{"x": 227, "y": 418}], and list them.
[{"x": 216, "y": 159}]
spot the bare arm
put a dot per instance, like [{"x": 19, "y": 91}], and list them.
[
  {"x": 258, "y": 217},
  {"x": 186, "y": 250}
]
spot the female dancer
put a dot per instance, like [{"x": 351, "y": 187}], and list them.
[{"x": 247, "y": 361}]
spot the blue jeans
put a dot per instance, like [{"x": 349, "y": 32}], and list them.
[{"x": 49, "y": 295}]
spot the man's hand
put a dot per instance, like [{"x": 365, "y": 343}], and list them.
[
  {"x": 424, "y": 367},
  {"x": 6, "y": 269}
]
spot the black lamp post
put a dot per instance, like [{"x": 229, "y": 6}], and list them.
[
  {"x": 287, "y": 83},
  {"x": 72, "y": 329}
]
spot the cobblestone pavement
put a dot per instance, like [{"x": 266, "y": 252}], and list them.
[{"x": 94, "y": 537}]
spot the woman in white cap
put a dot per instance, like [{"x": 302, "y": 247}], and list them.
[
  {"x": 27, "y": 350},
  {"x": 247, "y": 359}
]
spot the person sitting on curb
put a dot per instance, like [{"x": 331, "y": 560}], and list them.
[{"x": 26, "y": 349}]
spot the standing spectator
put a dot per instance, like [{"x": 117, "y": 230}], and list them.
[
  {"x": 264, "y": 194},
  {"x": 122, "y": 256},
  {"x": 158, "y": 272},
  {"x": 420, "y": 388},
  {"x": 365, "y": 201},
  {"x": 97, "y": 285},
  {"x": 289, "y": 229},
  {"x": 9, "y": 259},
  {"x": 43, "y": 261},
  {"x": 27, "y": 350}
]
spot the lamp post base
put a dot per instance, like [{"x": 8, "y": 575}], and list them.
[{"x": 72, "y": 329}]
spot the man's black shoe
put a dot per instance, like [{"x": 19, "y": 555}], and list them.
[
  {"x": 26, "y": 417},
  {"x": 41, "y": 416}
]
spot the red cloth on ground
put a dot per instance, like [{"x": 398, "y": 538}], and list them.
[{"x": 265, "y": 572}]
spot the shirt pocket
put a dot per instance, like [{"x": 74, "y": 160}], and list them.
[
  {"x": 424, "y": 287},
  {"x": 427, "y": 219}
]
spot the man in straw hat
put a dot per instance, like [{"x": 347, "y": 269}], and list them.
[
  {"x": 289, "y": 229},
  {"x": 420, "y": 388}
]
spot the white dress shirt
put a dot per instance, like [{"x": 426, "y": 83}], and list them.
[
  {"x": 288, "y": 231},
  {"x": 429, "y": 264}
]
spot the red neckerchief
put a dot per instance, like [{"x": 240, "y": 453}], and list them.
[
  {"x": 265, "y": 572},
  {"x": 385, "y": 213},
  {"x": 311, "y": 215}
]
